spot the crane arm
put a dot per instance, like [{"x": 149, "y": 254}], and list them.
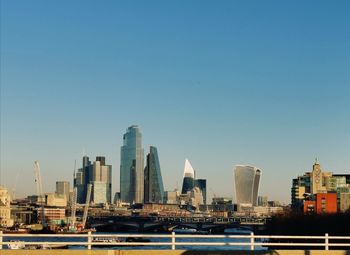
[
  {"x": 87, "y": 202},
  {"x": 39, "y": 189},
  {"x": 74, "y": 208}
]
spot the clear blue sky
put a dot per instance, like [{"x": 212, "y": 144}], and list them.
[{"x": 218, "y": 82}]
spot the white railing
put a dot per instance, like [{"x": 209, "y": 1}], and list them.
[{"x": 174, "y": 240}]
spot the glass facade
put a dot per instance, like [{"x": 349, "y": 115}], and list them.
[
  {"x": 189, "y": 177},
  {"x": 132, "y": 167},
  {"x": 247, "y": 179},
  {"x": 99, "y": 192},
  {"x": 82, "y": 179},
  {"x": 187, "y": 185},
  {"x": 91, "y": 173},
  {"x": 202, "y": 185},
  {"x": 154, "y": 189}
]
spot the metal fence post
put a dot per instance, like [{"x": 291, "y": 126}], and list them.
[
  {"x": 252, "y": 239},
  {"x": 173, "y": 240},
  {"x": 89, "y": 239},
  {"x": 1, "y": 240},
  {"x": 326, "y": 242}
]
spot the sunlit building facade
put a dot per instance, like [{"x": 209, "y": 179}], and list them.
[
  {"x": 307, "y": 187},
  {"x": 188, "y": 178},
  {"x": 247, "y": 179},
  {"x": 99, "y": 175},
  {"x": 5, "y": 209},
  {"x": 132, "y": 167},
  {"x": 63, "y": 188}
]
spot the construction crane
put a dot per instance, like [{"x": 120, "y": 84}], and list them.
[
  {"x": 39, "y": 190},
  {"x": 214, "y": 195},
  {"x": 87, "y": 203},
  {"x": 73, "y": 208},
  {"x": 13, "y": 190}
]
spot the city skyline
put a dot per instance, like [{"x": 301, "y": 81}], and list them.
[
  {"x": 221, "y": 84},
  {"x": 187, "y": 171}
]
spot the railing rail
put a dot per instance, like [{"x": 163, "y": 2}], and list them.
[{"x": 175, "y": 240}]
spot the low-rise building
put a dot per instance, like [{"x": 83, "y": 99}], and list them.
[
  {"x": 5, "y": 208},
  {"x": 52, "y": 214},
  {"x": 172, "y": 197},
  {"x": 267, "y": 210},
  {"x": 22, "y": 214},
  {"x": 317, "y": 182},
  {"x": 160, "y": 207},
  {"x": 344, "y": 203},
  {"x": 222, "y": 204},
  {"x": 55, "y": 200},
  {"x": 322, "y": 203},
  {"x": 262, "y": 201}
]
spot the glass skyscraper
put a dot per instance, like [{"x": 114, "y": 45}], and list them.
[
  {"x": 154, "y": 189},
  {"x": 247, "y": 180},
  {"x": 82, "y": 179},
  {"x": 132, "y": 166},
  {"x": 99, "y": 175},
  {"x": 189, "y": 177}
]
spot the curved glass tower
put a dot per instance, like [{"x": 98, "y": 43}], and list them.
[
  {"x": 247, "y": 179},
  {"x": 132, "y": 166}
]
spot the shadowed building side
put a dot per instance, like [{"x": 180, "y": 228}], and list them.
[
  {"x": 256, "y": 186},
  {"x": 154, "y": 189},
  {"x": 202, "y": 185}
]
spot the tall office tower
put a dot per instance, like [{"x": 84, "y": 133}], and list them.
[
  {"x": 101, "y": 180},
  {"x": 132, "y": 166},
  {"x": 99, "y": 175},
  {"x": 63, "y": 188},
  {"x": 202, "y": 185},
  {"x": 189, "y": 176},
  {"x": 154, "y": 189},
  {"x": 316, "y": 178},
  {"x": 81, "y": 179},
  {"x": 247, "y": 180}
]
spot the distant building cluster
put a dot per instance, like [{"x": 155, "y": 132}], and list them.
[
  {"x": 99, "y": 175},
  {"x": 142, "y": 192},
  {"x": 194, "y": 191},
  {"x": 320, "y": 191},
  {"x": 139, "y": 184}
]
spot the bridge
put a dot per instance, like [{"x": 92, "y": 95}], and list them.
[{"x": 168, "y": 223}]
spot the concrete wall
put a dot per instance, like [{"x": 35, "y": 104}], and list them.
[{"x": 169, "y": 252}]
